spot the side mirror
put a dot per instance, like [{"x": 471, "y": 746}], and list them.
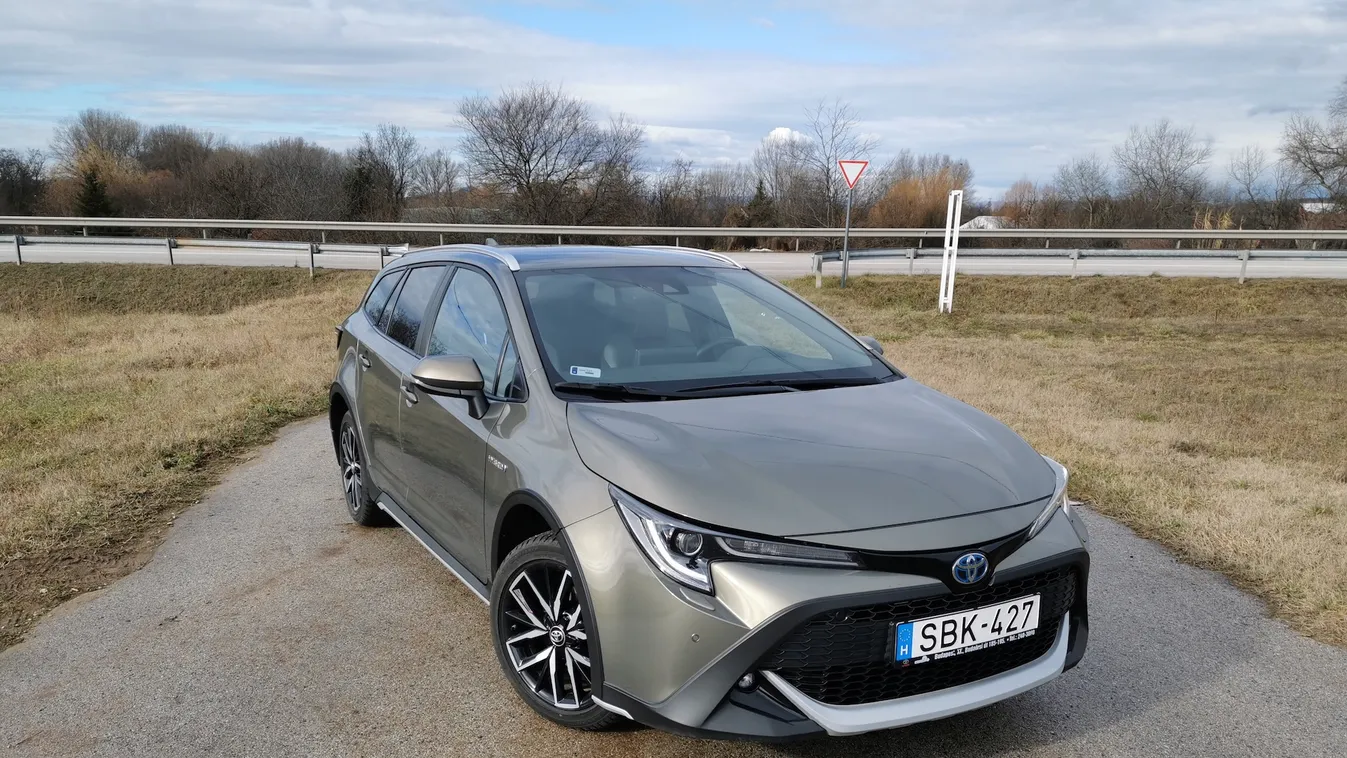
[
  {"x": 452, "y": 376},
  {"x": 872, "y": 345}
]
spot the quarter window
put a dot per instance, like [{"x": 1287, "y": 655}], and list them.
[
  {"x": 471, "y": 322},
  {"x": 410, "y": 308},
  {"x": 378, "y": 297}
]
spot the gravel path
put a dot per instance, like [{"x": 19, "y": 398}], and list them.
[{"x": 268, "y": 625}]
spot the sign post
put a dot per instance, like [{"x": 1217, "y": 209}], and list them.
[{"x": 851, "y": 172}]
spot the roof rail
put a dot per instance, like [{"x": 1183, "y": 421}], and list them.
[
  {"x": 695, "y": 251},
  {"x": 489, "y": 250}
]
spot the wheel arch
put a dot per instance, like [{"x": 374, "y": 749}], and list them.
[
  {"x": 522, "y": 515},
  {"x": 526, "y": 504},
  {"x": 337, "y": 406}
]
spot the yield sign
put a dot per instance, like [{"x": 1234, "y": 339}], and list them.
[{"x": 852, "y": 170}]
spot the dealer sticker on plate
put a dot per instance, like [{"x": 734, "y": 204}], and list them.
[{"x": 956, "y": 633}]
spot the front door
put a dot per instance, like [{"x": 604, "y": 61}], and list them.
[{"x": 444, "y": 447}]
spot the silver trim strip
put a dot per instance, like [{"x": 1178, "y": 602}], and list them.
[
  {"x": 396, "y": 513},
  {"x": 611, "y": 708},
  {"x": 509, "y": 260},
  {"x": 855, "y": 719},
  {"x": 695, "y": 251}
]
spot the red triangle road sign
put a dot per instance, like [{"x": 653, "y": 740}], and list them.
[{"x": 852, "y": 170}]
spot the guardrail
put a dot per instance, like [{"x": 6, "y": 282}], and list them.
[
  {"x": 1308, "y": 235},
  {"x": 1230, "y": 243},
  {"x": 1242, "y": 255}
]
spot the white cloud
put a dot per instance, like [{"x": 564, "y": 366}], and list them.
[
  {"x": 1015, "y": 86},
  {"x": 785, "y": 134}
]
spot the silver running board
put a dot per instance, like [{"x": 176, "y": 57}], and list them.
[{"x": 405, "y": 521}]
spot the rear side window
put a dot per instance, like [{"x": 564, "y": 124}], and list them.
[
  {"x": 378, "y": 297},
  {"x": 410, "y": 308}
]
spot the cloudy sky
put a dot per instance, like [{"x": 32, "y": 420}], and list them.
[{"x": 1015, "y": 86}]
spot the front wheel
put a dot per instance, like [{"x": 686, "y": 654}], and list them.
[{"x": 540, "y": 634}]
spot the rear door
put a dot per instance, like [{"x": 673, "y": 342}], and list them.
[
  {"x": 444, "y": 447},
  {"x": 388, "y": 354},
  {"x": 376, "y": 392}
]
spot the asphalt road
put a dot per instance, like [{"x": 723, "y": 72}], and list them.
[
  {"x": 268, "y": 625},
  {"x": 778, "y": 265}
]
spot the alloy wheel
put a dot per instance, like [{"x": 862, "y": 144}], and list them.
[
  {"x": 545, "y": 635},
  {"x": 352, "y": 481}
]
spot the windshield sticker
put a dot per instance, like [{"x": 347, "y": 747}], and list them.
[{"x": 586, "y": 371}]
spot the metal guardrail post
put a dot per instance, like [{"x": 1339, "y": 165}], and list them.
[
  {"x": 322, "y": 235},
  {"x": 313, "y": 248},
  {"x": 441, "y": 240},
  {"x": 18, "y": 248},
  {"x": 383, "y": 253},
  {"x": 203, "y": 232},
  {"x": 86, "y": 231},
  {"x": 168, "y": 242},
  {"x": 1243, "y": 264}
]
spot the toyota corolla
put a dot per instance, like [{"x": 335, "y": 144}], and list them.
[{"x": 692, "y": 500}]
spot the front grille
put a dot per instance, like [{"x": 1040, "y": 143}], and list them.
[{"x": 845, "y": 657}]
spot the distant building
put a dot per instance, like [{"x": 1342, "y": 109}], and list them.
[
  {"x": 1318, "y": 206},
  {"x": 987, "y": 222}
]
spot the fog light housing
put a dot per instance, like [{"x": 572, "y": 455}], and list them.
[{"x": 747, "y": 682}]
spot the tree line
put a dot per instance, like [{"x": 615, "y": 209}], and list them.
[{"x": 537, "y": 155}]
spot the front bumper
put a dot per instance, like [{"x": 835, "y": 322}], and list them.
[{"x": 671, "y": 657}]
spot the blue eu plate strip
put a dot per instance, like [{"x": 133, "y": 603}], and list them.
[{"x": 904, "y": 649}]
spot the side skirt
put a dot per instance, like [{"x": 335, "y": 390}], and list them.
[{"x": 436, "y": 549}]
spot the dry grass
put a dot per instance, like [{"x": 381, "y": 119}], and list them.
[
  {"x": 123, "y": 390},
  {"x": 1207, "y": 415}
]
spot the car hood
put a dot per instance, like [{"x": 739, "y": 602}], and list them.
[{"x": 815, "y": 462}]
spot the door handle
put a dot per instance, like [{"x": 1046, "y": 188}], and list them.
[
  {"x": 409, "y": 394},
  {"x": 364, "y": 361}
]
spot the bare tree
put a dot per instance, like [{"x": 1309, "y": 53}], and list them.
[
  {"x": 1318, "y": 149},
  {"x": 298, "y": 179},
  {"x": 1084, "y": 183},
  {"x": 1162, "y": 168},
  {"x": 435, "y": 176},
  {"x": 22, "y": 182},
  {"x": 174, "y": 148},
  {"x": 834, "y": 135},
  {"x": 548, "y": 152},
  {"x": 1265, "y": 192},
  {"x": 397, "y": 149},
  {"x": 779, "y": 163},
  {"x": 112, "y": 134}
]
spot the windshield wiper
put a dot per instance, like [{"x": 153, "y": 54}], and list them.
[
  {"x": 617, "y": 391},
  {"x": 817, "y": 383}
]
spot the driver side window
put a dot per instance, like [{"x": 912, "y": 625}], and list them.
[{"x": 472, "y": 322}]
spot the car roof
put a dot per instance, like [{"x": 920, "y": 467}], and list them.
[{"x": 525, "y": 258}]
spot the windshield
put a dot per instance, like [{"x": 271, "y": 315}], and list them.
[{"x": 674, "y": 329}]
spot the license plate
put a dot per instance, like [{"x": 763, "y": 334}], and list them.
[{"x": 964, "y": 632}]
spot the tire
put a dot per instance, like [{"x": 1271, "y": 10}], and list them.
[
  {"x": 354, "y": 478},
  {"x": 541, "y": 637}
]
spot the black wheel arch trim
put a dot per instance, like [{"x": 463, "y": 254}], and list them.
[{"x": 532, "y": 499}]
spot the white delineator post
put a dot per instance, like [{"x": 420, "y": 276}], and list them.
[{"x": 953, "y": 214}]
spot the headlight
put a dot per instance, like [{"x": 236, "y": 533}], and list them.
[
  {"x": 1058, "y": 499},
  {"x": 684, "y": 552}
]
